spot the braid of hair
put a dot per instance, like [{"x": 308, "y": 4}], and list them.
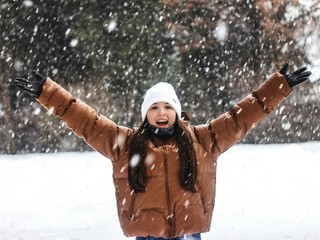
[
  {"x": 188, "y": 159},
  {"x": 136, "y": 166}
]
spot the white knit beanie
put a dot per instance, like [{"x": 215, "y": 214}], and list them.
[{"x": 161, "y": 92}]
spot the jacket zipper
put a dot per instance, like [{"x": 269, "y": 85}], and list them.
[{"x": 170, "y": 218}]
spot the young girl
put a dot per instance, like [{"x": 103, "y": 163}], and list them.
[{"x": 164, "y": 172}]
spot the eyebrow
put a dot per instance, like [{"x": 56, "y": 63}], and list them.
[{"x": 156, "y": 103}]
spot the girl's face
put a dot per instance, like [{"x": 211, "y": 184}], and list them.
[{"x": 161, "y": 115}]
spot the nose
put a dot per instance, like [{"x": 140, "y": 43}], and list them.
[{"x": 161, "y": 111}]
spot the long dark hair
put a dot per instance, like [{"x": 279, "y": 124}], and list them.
[{"x": 138, "y": 152}]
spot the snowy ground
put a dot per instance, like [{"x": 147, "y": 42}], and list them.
[{"x": 264, "y": 192}]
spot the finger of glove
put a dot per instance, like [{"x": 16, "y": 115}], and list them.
[
  {"x": 299, "y": 71},
  {"x": 28, "y": 90},
  {"x": 24, "y": 81},
  {"x": 19, "y": 79},
  {"x": 284, "y": 69},
  {"x": 21, "y": 86},
  {"x": 305, "y": 74},
  {"x": 38, "y": 76},
  {"x": 25, "y": 87},
  {"x": 19, "y": 83},
  {"x": 27, "y": 83},
  {"x": 300, "y": 80}
]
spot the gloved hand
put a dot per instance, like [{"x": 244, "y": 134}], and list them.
[
  {"x": 296, "y": 77},
  {"x": 32, "y": 86}
]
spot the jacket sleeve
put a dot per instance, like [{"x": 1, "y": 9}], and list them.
[
  {"x": 99, "y": 132},
  {"x": 225, "y": 131}
]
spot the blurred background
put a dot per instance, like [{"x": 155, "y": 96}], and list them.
[{"x": 107, "y": 53}]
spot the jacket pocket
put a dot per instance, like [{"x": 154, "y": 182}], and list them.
[
  {"x": 145, "y": 222},
  {"x": 203, "y": 202},
  {"x": 191, "y": 219}
]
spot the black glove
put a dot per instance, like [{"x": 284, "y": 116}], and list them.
[
  {"x": 32, "y": 86},
  {"x": 296, "y": 77}
]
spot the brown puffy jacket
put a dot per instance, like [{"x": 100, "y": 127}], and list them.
[{"x": 165, "y": 209}]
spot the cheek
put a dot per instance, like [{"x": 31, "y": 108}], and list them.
[
  {"x": 150, "y": 117},
  {"x": 173, "y": 116}
]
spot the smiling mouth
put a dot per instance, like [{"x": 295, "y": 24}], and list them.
[{"x": 162, "y": 123}]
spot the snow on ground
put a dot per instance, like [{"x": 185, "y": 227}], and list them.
[{"x": 264, "y": 192}]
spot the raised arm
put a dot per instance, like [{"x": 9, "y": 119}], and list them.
[
  {"x": 99, "y": 132},
  {"x": 231, "y": 127}
]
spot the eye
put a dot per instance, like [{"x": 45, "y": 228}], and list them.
[
  {"x": 154, "y": 107},
  {"x": 168, "y": 106}
]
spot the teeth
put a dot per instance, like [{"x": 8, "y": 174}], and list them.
[{"x": 162, "y": 122}]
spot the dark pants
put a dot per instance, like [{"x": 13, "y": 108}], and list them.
[{"x": 195, "y": 236}]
